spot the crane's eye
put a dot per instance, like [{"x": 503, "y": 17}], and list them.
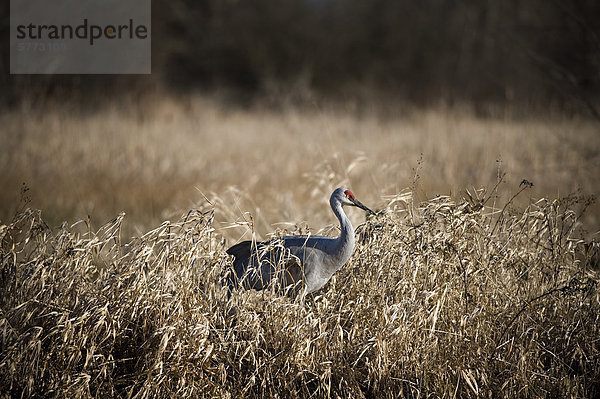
[{"x": 349, "y": 195}]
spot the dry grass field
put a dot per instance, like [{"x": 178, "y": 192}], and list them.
[
  {"x": 469, "y": 282},
  {"x": 154, "y": 160}
]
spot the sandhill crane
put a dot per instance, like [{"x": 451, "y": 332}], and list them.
[{"x": 309, "y": 261}]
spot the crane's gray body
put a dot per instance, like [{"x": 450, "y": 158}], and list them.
[{"x": 302, "y": 263}]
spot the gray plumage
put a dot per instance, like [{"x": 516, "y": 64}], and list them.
[{"x": 298, "y": 263}]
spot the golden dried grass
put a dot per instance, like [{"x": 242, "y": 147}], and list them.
[
  {"x": 480, "y": 292},
  {"x": 441, "y": 299},
  {"x": 153, "y": 159}
]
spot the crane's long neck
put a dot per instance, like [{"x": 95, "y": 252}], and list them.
[{"x": 344, "y": 244}]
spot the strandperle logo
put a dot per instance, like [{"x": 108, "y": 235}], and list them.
[
  {"x": 80, "y": 36},
  {"x": 84, "y": 31}
]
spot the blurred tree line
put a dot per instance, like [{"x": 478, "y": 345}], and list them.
[{"x": 519, "y": 53}]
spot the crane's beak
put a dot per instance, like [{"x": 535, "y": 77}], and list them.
[{"x": 361, "y": 206}]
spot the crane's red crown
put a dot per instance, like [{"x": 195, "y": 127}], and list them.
[{"x": 349, "y": 195}]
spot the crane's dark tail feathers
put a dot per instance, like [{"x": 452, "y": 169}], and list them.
[
  {"x": 240, "y": 251},
  {"x": 243, "y": 253}
]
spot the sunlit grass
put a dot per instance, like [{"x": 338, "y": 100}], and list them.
[
  {"x": 452, "y": 291},
  {"x": 153, "y": 159},
  {"x": 443, "y": 298}
]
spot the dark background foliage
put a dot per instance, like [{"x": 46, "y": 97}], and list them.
[{"x": 528, "y": 55}]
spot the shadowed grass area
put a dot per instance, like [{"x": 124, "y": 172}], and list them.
[{"x": 443, "y": 298}]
